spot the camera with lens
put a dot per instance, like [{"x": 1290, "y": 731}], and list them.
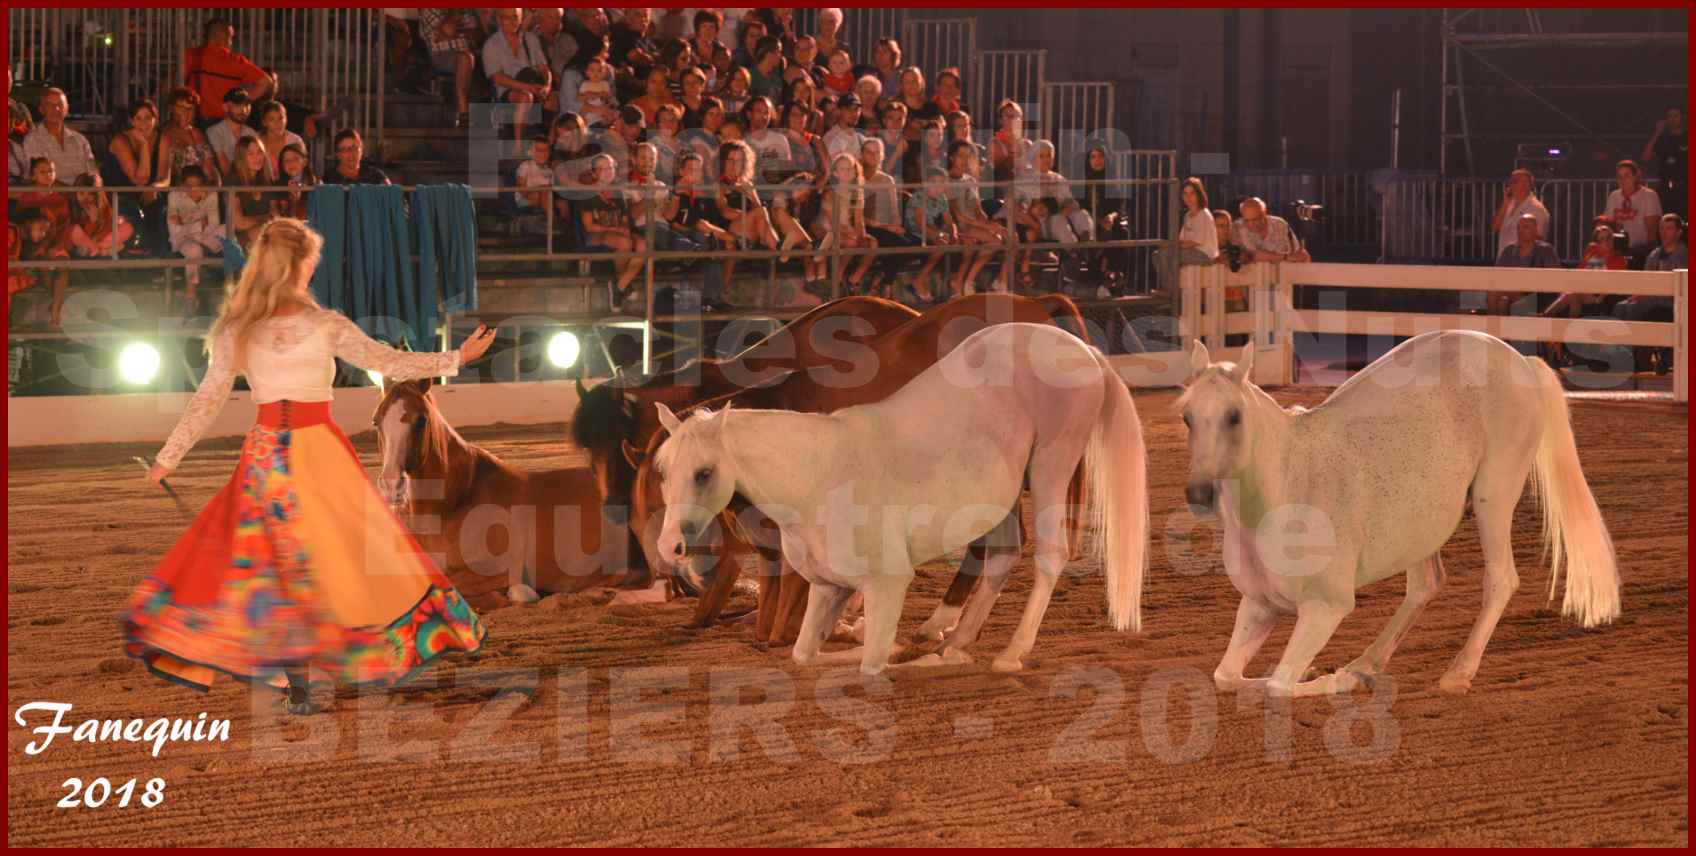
[{"x": 1233, "y": 256}]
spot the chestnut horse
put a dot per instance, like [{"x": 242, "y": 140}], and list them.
[
  {"x": 491, "y": 527},
  {"x": 856, "y": 373}
]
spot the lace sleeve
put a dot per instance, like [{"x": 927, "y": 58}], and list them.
[
  {"x": 208, "y": 399},
  {"x": 353, "y": 345}
]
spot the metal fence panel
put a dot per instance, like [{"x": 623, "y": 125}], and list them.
[
  {"x": 1074, "y": 113},
  {"x": 935, "y": 44},
  {"x": 1019, "y": 75}
]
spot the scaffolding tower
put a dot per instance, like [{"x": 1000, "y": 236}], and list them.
[{"x": 1583, "y": 87}]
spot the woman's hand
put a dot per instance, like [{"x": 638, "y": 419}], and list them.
[
  {"x": 156, "y": 475},
  {"x": 473, "y": 348}
]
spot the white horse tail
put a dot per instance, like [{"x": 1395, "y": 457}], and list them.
[
  {"x": 1117, "y": 462},
  {"x": 1573, "y": 530}
]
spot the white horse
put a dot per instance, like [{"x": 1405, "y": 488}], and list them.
[
  {"x": 1377, "y": 478},
  {"x": 864, "y": 494}
]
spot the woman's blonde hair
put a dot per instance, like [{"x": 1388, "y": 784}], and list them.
[{"x": 285, "y": 252}]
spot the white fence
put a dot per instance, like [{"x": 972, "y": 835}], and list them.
[{"x": 1272, "y": 320}]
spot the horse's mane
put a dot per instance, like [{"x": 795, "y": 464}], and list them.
[{"x": 603, "y": 419}]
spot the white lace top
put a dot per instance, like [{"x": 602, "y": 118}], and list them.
[{"x": 292, "y": 358}]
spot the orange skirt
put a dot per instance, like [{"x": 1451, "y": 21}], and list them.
[{"x": 296, "y": 565}]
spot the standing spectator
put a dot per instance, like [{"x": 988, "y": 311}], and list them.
[
  {"x": 181, "y": 144},
  {"x": 1198, "y": 238},
  {"x": 605, "y": 217},
  {"x": 515, "y": 63},
  {"x": 350, "y": 167},
  {"x": 224, "y": 133},
  {"x": 450, "y": 34},
  {"x": 1519, "y": 198},
  {"x": 53, "y": 139},
  {"x": 193, "y": 225},
  {"x": 214, "y": 69},
  {"x": 130, "y": 162},
  {"x": 1669, "y": 152},
  {"x": 829, "y": 35},
  {"x": 294, "y": 171},
  {"x": 1635, "y": 209},
  {"x": 1229, "y": 251},
  {"x": 19, "y": 123},
  {"x": 909, "y": 92},
  {"x": 275, "y": 133},
  {"x": 844, "y": 137},
  {"x": 1266, "y": 237},
  {"x": 96, "y": 229},
  {"x": 765, "y": 77},
  {"x": 252, "y": 208}
]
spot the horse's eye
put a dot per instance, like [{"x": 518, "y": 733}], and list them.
[
  {"x": 703, "y": 475},
  {"x": 1234, "y": 418}
]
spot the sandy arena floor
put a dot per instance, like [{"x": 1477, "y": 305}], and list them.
[{"x": 584, "y": 724}]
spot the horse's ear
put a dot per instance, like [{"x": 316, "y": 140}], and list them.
[
  {"x": 1244, "y": 369},
  {"x": 1199, "y": 360},
  {"x": 633, "y": 455},
  {"x": 668, "y": 419}
]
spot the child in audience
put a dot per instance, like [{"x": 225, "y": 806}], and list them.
[
  {"x": 192, "y": 220},
  {"x": 594, "y": 96},
  {"x": 537, "y": 172}
]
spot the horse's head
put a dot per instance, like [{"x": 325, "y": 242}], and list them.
[
  {"x": 697, "y": 478},
  {"x": 402, "y": 421},
  {"x": 1216, "y": 406},
  {"x": 604, "y": 422}
]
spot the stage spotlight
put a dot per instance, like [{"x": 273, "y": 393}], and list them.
[
  {"x": 376, "y": 377},
  {"x": 138, "y": 363},
  {"x": 563, "y": 349}
]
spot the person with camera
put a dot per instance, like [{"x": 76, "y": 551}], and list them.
[
  {"x": 1669, "y": 152},
  {"x": 518, "y": 67},
  {"x": 1519, "y": 199}
]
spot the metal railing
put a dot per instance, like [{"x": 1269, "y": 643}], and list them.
[
  {"x": 1448, "y": 220},
  {"x": 1073, "y": 105},
  {"x": 937, "y": 43},
  {"x": 1018, "y": 75}
]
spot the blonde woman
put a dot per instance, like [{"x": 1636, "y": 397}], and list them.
[{"x": 297, "y": 570}]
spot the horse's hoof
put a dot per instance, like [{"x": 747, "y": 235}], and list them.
[
  {"x": 1006, "y": 665},
  {"x": 522, "y": 593},
  {"x": 1454, "y": 684}
]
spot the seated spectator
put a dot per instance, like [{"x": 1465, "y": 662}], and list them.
[
  {"x": 909, "y": 94},
  {"x": 676, "y": 57},
  {"x": 630, "y": 43},
  {"x": 829, "y": 35},
  {"x": 1009, "y": 150},
  {"x": 704, "y": 41},
  {"x": 515, "y": 63},
  {"x": 730, "y": 130},
  {"x": 736, "y": 91},
  {"x": 1672, "y": 253},
  {"x": 1266, "y": 237},
  {"x": 975, "y": 227},
  {"x": 839, "y": 77},
  {"x": 1528, "y": 251},
  {"x": 959, "y": 125},
  {"x": 780, "y": 24},
  {"x": 1072, "y": 223},
  {"x": 1103, "y": 202},
  {"x": 274, "y": 120},
  {"x": 1635, "y": 209},
  {"x": 947, "y": 98},
  {"x": 253, "y": 208},
  {"x": 350, "y": 166},
  {"x": 651, "y": 199},
  {"x": 223, "y": 134},
  {"x": 294, "y": 171},
  {"x": 693, "y": 216},
  {"x": 193, "y": 224},
  {"x": 53, "y": 139},
  {"x": 883, "y": 206},
  {"x": 40, "y": 243},
  {"x": 1607, "y": 251},
  {"x": 626, "y": 131},
  {"x": 930, "y": 152},
  {"x": 214, "y": 70},
  {"x": 1519, "y": 199},
  {"x": 548, "y": 23},
  {"x": 886, "y": 65},
  {"x": 844, "y": 137},
  {"x": 842, "y": 224},
  {"x": 96, "y": 228},
  {"x": 668, "y": 125},
  {"x": 537, "y": 172},
  {"x": 770, "y": 144},
  {"x": 748, "y": 40},
  {"x": 130, "y": 162},
  {"x": 893, "y": 131},
  {"x": 19, "y": 124},
  {"x": 739, "y": 210},
  {"x": 656, "y": 94},
  {"x": 870, "y": 93},
  {"x": 694, "y": 96},
  {"x": 56, "y": 207},
  {"x": 703, "y": 140},
  {"x": 765, "y": 76},
  {"x": 181, "y": 144},
  {"x": 1669, "y": 152},
  {"x": 594, "y": 95},
  {"x": 931, "y": 220},
  {"x": 801, "y": 91},
  {"x": 605, "y": 218},
  {"x": 805, "y": 60}
]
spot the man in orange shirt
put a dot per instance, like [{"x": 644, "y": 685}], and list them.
[{"x": 214, "y": 69}]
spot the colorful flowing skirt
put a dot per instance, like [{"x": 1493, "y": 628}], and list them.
[{"x": 296, "y": 565}]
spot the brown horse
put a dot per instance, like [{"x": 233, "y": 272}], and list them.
[
  {"x": 864, "y": 371},
  {"x": 492, "y": 527}
]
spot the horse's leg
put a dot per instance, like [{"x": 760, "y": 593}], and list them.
[
  {"x": 1050, "y": 470},
  {"x": 1317, "y": 618},
  {"x": 824, "y": 604},
  {"x": 726, "y": 570},
  {"x": 997, "y": 567},
  {"x": 1423, "y": 583},
  {"x": 1077, "y": 517},
  {"x": 1007, "y": 535},
  {"x": 1495, "y": 492},
  {"x": 791, "y": 607},
  {"x": 885, "y": 592},
  {"x": 1254, "y": 624},
  {"x": 771, "y": 586}
]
